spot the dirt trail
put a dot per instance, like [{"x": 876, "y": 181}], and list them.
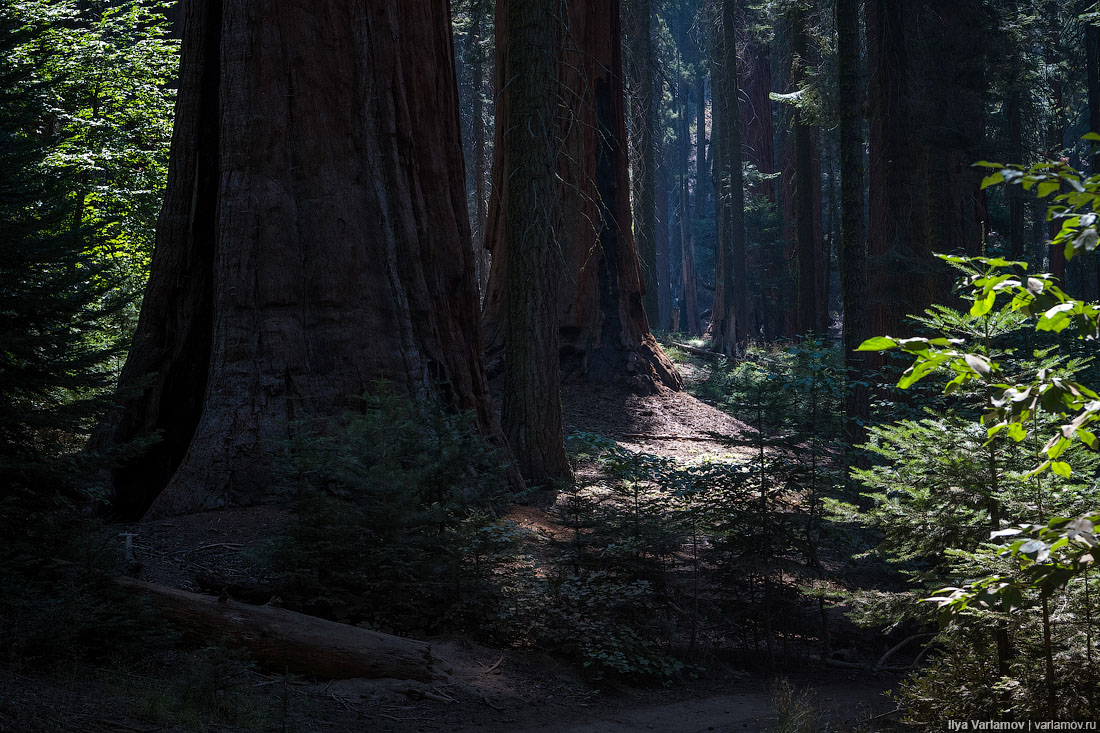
[
  {"x": 844, "y": 703},
  {"x": 505, "y": 691},
  {"x": 515, "y": 702}
]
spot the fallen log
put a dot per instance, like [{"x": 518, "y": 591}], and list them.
[
  {"x": 697, "y": 351},
  {"x": 284, "y": 640}
]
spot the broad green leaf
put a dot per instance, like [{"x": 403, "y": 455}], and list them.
[
  {"x": 984, "y": 304},
  {"x": 877, "y": 343},
  {"x": 993, "y": 179},
  {"x": 1046, "y": 188},
  {"x": 1061, "y": 468}
]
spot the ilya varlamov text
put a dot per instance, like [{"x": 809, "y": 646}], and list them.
[{"x": 1025, "y": 725}]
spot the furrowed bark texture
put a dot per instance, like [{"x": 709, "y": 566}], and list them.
[
  {"x": 531, "y": 412},
  {"x": 853, "y": 246},
  {"x": 314, "y": 239},
  {"x": 643, "y": 120},
  {"x": 689, "y": 318},
  {"x": 768, "y": 265},
  {"x": 926, "y": 103},
  {"x": 664, "y": 246},
  {"x": 603, "y": 330}
]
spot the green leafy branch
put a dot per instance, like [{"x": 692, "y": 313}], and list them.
[
  {"x": 1012, "y": 407},
  {"x": 1049, "y": 556}
]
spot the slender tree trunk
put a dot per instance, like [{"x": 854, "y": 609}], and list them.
[
  {"x": 314, "y": 239},
  {"x": 689, "y": 320},
  {"x": 531, "y": 410},
  {"x": 703, "y": 182},
  {"x": 829, "y": 240},
  {"x": 853, "y": 246},
  {"x": 664, "y": 247},
  {"x": 804, "y": 188},
  {"x": 1092, "y": 66},
  {"x": 1014, "y": 193},
  {"x": 1055, "y": 134},
  {"x": 603, "y": 330},
  {"x": 643, "y": 117},
  {"x": 729, "y": 322},
  {"x": 481, "y": 199}
]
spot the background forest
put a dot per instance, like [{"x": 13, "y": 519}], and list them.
[{"x": 686, "y": 344}]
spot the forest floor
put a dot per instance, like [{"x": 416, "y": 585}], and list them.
[{"x": 486, "y": 689}]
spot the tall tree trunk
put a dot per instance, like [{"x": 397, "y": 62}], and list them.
[
  {"x": 1055, "y": 139},
  {"x": 953, "y": 68},
  {"x": 755, "y": 108},
  {"x": 481, "y": 199},
  {"x": 313, "y": 240},
  {"x": 703, "y": 181},
  {"x": 904, "y": 277},
  {"x": 1014, "y": 194},
  {"x": 758, "y": 148},
  {"x": 689, "y": 302},
  {"x": 729, "y": 321},
  {"x": 603, "y": 329},
  {"x": 643, "y": 116},
  {"x": 1092, "y": 65},
  {"x": 664, "y": 247},
  {"x": 531, "y": 412},
  {"x": 853, "y": 247},
  {"x": 1092, "y": 69},
  {"x": 804, "y": 185}
]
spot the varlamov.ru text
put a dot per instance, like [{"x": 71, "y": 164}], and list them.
[{"x": 1024, "y": 725}]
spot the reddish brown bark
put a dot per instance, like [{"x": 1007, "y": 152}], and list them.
[
  {"x": 755, "y": 106},
  {"x": 664, "y": 246},
  {"x": 314, "y": 239},
  {"x": 527, "y": 36},
  {"x": 729, "y": 326},
  {"x": 285, "y": 641},
  {"x": 604, "y": 332},
  {"x": 927, "y": 125},
  {"x": 901, "y": 269},
  {"x": 689, "y": 299},
  {"x": 644, "y": 135}
]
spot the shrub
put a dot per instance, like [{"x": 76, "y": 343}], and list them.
[{"x": 395, "y": 518}]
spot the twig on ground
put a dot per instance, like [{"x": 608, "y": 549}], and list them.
[
  {"x": 229, "y": 545},
  {"x": 895, "y": 711},
  {"x": 496, "y": 664}
]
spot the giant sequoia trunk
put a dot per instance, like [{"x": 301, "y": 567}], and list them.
[
  {"x": 770, "y": 264},
  {"x": 903, "y": 274},
  {"x": 531, "y": 413},
  {"x": 604, "y": 333},
  {"x": 927, "y": 127},
  {"x": 313, "y": 240}
]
